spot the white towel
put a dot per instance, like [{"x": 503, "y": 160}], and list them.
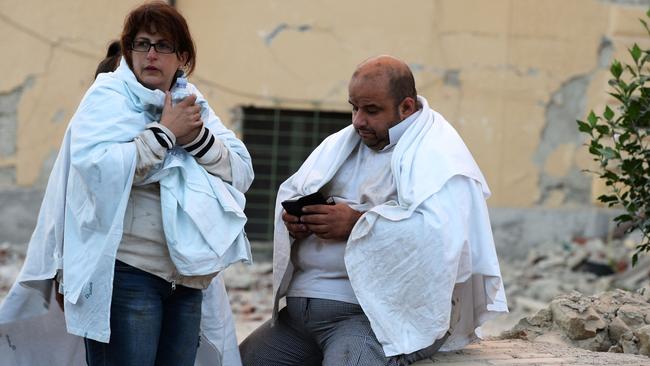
[
  {"x": 80, "y": 224},
  {"x": 405, "y": 260}
]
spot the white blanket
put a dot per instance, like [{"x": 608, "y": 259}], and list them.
[
  {"x": 80, "y": 222},
  {"x": 406, "y": 259}
]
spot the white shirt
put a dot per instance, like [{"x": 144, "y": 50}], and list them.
[{"x": 363, "y": 181}]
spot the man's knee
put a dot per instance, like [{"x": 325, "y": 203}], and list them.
[{"x": 354, "y": 350}]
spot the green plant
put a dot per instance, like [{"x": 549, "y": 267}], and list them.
[{"x": 618, "y": 140}]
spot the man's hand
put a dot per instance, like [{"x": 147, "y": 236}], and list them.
[
  {"x": 182, "y": 119},
  {"x": 330, "y": 221},
  {"x": 296, "y": 229},
  {"x": 58, "y": 296}
]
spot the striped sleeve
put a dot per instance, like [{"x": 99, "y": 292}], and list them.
[
  {"x": 162, "y": 134},
  {"x": 151, "y": 146},
  {"x": 211, "y": 153}
]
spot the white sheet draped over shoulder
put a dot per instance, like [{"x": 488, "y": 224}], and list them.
[
  {"x": 407, "y": 259},
  {"x": 80, "y": 222}
]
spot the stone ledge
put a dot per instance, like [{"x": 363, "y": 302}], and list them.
[{"x": 523, "y": 353}]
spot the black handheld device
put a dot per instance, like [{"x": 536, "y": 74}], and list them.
[{"x": 294, "y": 206}]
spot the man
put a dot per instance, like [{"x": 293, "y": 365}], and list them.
[{"x": 371, "y": 279}]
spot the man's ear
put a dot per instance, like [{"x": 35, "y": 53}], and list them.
[{"x": 407, "y": 107}]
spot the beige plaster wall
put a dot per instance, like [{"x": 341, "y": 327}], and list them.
[
  {"x": 50, "y": 52},
  {"x": 510, "y": 75}
]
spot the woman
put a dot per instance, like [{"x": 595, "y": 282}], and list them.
[{"x": 144, "y": 206}]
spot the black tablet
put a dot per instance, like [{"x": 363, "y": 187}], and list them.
[{"x": 294, "y": 206}]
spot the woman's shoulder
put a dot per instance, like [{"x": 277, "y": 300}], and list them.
[
  {"x": 107, "y": 83},
  {"x": 105, "y": 92}
]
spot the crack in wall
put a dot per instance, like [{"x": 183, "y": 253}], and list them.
[
  {"x": 9, "y": 117},
  {"x": 452, "y": 78},
  {"x": 270, "y": 36},
  {"x": 605, "y": 52},
  {"x": 565, "y": 106},
  {"x": 628, "y": 2}
]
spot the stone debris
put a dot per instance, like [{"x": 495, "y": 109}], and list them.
[
  {"x": 11, "y": 261},
  {"x": 614, "y": 321},
  {"x": 250, "y": 288},
  {"x": 589, "y": 266}
]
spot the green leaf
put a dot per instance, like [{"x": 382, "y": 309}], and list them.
[
  {"x": 595, "y": 144},
  {"x": 623, "y": 218},
  {"x": 610, "y": 176},
  {"x": 616, "y": 69},
  {"x": 592, "y": 118},
  {"x": 645, "y": 25},
  {"x": 602, "y": 129},
  {"x": 630, "y": 165},
  {"x": 608, "y": 114},
  {"x": 584, "y": 127},
  {"x": 607, "y": 198},
  {"x": 635, "y": 258},
  {"x": 618, "y": 96},
  {"x": 609, "y": 153},
  {"x": 635, "y": 52}
]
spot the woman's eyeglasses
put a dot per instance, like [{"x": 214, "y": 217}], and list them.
[{"x": 144, "y": 45}]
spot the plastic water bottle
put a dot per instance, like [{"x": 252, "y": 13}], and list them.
[{"x": 180, "y": 90}]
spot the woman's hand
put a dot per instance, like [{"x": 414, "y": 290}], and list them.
[{"x": 182, "y": 119}]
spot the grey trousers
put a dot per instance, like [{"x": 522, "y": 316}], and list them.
[{"x": 321, "y": 332}]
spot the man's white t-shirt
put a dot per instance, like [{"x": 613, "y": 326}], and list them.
[{"x": 363, "y": 181}]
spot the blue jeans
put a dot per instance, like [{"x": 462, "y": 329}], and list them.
[{"x": 151, "y": 323}]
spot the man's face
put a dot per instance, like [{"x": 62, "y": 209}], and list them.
[{"x": 373, "y": 109}]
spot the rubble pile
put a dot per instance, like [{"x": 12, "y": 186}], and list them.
[
  {"x": 587, "y": 266},
  {"x": 11, "y": 261},
  {"x": 250, "y": 289},
  {"x": 613, "y": 321}
]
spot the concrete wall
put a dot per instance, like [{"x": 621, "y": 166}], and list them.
[{"x": 511, "y": 75}]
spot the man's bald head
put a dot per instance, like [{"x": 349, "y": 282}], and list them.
[
  {"x": 382, "y": 94},
  {"x": 397, "y": 76}
]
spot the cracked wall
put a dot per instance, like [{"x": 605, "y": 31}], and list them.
[
  {"x": 511, "y": 76},
  {"x": 54, "y": 49}
]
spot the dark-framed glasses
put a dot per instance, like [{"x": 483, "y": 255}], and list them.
[{"x": 144, "y": 45}]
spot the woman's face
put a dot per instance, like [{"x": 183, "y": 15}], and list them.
[{"x": 152, "y": 68}]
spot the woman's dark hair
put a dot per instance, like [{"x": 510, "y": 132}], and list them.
[
  {"x": 159, "y": 18},
  {"x": 112, "y": 59}
]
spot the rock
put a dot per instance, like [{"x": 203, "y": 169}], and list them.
[
  {"x": 643, "y": 336},
  {"x": 598, "y": 343},
  {"x": 615, "y": 349},
  {"x": 577, "y": 320},
  {"x": 613, "y": 321},
  {"x": 630, "y": 315},
  {"x": 543, "y": 318},
  {"x": 629, "y": 343},
  {"x": 617, "y": 328}
]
